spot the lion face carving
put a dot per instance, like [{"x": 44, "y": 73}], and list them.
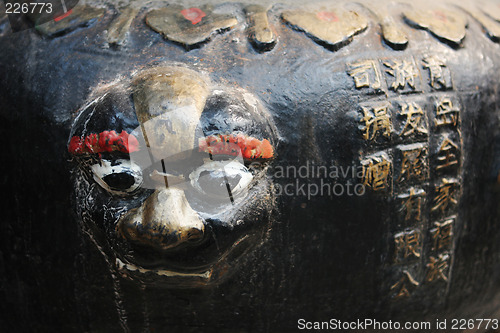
[{"x": 171, "y": 179}]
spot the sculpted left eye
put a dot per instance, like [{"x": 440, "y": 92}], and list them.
[{"x": 217, "y": 178}]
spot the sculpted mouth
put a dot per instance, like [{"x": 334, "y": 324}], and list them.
[
  {"x": 161, "y": 272},
  {"x": 204, "y": 276}
]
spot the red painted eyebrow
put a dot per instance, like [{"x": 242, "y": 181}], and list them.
[
  {"x": 104, "y": 142},
  {"x": 220, "y": 144},
  {"x": 233, "y": 144}
]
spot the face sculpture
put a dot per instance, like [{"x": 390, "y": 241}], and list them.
[{"x": 170, "y": 177}]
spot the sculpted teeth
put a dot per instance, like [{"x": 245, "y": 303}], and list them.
[{"x": 130, "y": 267}]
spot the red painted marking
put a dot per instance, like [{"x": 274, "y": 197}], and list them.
[
  {"x": 327, "y": 16},
  {"x": 441, "y": 16},
  {"x": 193, "y": 14},
  {"x": 103, "y": 142},
  {"x": 236, "y": 144},
  {"x": 59, "y": 18}
]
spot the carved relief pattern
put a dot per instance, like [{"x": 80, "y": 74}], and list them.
[
  {"x": 189, "y": 26},
  {"x": 331, "y": 27}
]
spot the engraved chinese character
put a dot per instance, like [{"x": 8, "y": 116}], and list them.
[
  {"x": 439, "y": 75},
  {"x": 404, "y": 73},
  {"x": 442, "y": 235},
  {"x": 376, "y": 171},
  {"x": 437, "y": 268},
  {"x": 415, "y": 121},
  {"x": 412, "y": 204},
  {"x": 446, "y": 113},
  {"x": 445, "y": 195},
  {"x": 405, "y": 285},
  {"x": 414, "y": 162},
  {"x": 365, "y": 74},
  {"x": 408, "y": 244},
  {"x": 447, "y": 155},
  {"x": 376, "y": 122}
]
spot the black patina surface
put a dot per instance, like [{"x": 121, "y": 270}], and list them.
[{"x": 328, "y": 257}]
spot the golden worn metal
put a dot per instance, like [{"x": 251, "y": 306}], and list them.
[
  {"x": 404, "y": 72},
  {"x": 412, "y": 204},
  {"x": 442, "y": 235},
  {"x": 118, "y": 29},
  {"x": 446, "y": 113},
  {"x": 392, "y": 30},
  {"x": 365, "y": 74},
  {"x": 334, "y": 27},
  {"x": 169, "y": 102},
  {"x": 405, "y": 285},
  {"x": 376, "y": 122},
  {"x": 180, "y": 28},
  {"x": 438, "y": 268},
  {"x": 414, "y": 164},
  {"x": 377, "y": 171},
  {"x": 260, "y": 31},
  {"x": 490, "y": 26},
  {"x": 490, "y": 9},
  {"x": 392, "y": 33},
  {"x": 445, "y": 195},
  {"x": 414, "y": 119},
  {"x": 164, "y": 221},
  {"x": 447, "y": 155},
  {"x": 439, "y": 77},
  {"x": 407, "y": 244},
  {"x": 81, "y": 15},
  {"x": 445, "y": 23}
]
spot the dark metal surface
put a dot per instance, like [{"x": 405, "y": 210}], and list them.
[{"x": 309, "y": 256}]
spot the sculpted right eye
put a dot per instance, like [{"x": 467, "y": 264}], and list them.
[{"x": 120, "y": 177}]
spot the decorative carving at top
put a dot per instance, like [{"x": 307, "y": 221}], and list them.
[
  {"x": 392, "y": 30},
  {"x": 491, "y": 9},
  {"x": 189, "y": 26},
  {"x": 333, "y": 28},
  {"x": 79, "y": 16},
  {"x": 446, "y": 24},
  {"x": 260, "y": 31},
  {"x": 490, "y": 26},
  {"x": 118, "y": 29}
]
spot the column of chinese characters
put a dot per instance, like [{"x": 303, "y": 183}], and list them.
[
  {"x": 411, "y": 175},
  {"x": 410, "y": 217},
  {"x": 446, "y": 189}
]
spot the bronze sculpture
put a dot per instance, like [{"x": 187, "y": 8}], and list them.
[{"x": 267, "y": 162}]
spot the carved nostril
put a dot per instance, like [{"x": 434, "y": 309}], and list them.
[{"x": 194, "y": 235}]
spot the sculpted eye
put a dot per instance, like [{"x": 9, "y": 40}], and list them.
[
  {"x": 118, "y": 177},
  {"x": 215, "y": 177}
]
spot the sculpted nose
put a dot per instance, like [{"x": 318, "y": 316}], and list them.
[{"x": 164, "y": 221}]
